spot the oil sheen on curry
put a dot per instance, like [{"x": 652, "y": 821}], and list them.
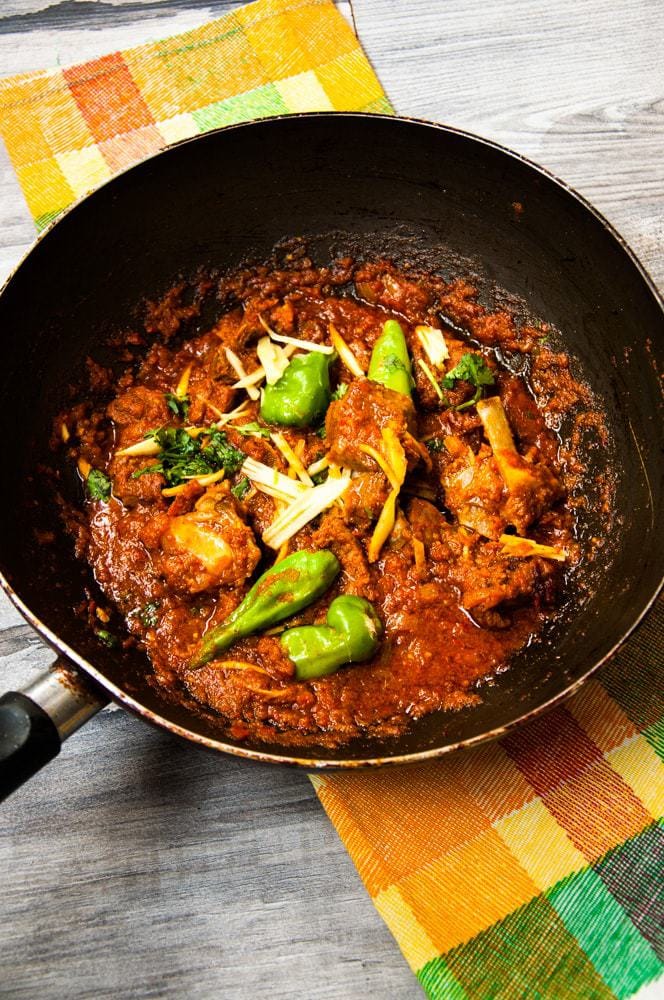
[{"x": 340, "y": 507}]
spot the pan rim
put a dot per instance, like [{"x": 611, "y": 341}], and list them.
[
  {"x": 310, "y": 763},
  {"x": 325, "y": 763}
]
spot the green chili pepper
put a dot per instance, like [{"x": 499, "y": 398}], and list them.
[
  {"x": 280, "y": 592},
  {"x": 390, "y": 361},
  {"x": 351, "y": 634},
  {"x": 302, "y": 394}
]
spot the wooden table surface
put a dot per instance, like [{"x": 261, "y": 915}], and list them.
[{"x": 137, "y": 865}]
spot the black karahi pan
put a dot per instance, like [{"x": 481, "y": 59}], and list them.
[{"x": 346, "y": 183}]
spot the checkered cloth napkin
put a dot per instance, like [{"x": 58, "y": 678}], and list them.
[
  {"x": 68, "y": 130},
  {"x": 531, "y": 867}
]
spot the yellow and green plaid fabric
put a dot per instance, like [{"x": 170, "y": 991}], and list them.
[
  {"x": 532, "y": 867},
  {"x": 68, "y": 130}
]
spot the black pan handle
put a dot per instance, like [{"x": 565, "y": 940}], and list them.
[{"x": 35, "y": 722}]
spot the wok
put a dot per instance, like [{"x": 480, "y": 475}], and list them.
[{"x": 347, "y": 183}]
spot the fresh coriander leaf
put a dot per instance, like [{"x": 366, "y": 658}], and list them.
[
  {"x": 320, "y": 477},
  {"x": 471, "y": 368},
  {"x": 241, "y": 488},
  {"x": 179, "y": 456},
  {"x": 148, "y": 614},
  {"x": 221, "y": 455},
  {"x": 98, "y": 485},
  {"x": 182, "y": 457},
  {"x": 340, "y": 391},
  {"x": 435, "y": 444},
  {"x": 107, "y": 638},
  {"x": 178, "y": 404},
  {"x": 252, "y": 429},
  {"x": 321, "y": 432},
  {"x": 474, "y": 369}
]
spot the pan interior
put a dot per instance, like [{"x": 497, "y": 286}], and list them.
[{"x": 365, "y": 186}]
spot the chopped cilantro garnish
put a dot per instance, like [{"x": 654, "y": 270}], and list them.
[
  {"x": 435, "y": 444},
  {"x": 474, "y": 369},
  {"x": 148, "y": 614},
  {"x": 241, "y": 488},
  {"x": 107, "y": 638},
  {"x": 182, "y": 456},
  {"x": 250, "y": 430},
  {"x": 178, "y": 404},
  {"x": 222, "y": 455},
  {"x": 471, "y": 368},
  {"x": 98, "y": 485},
  {"x": 340, "y": 391}
]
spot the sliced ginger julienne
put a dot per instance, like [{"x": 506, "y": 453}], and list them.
[
  {"x": 182, "y": 387},
  {"x": 244, "y": 665},
  {"x": 238, "y": 411},
  {"x": 241, "y": 373},
  {"x": 287, "y": 692},
  {"x": 345, "y": 353},
  {"x": 272, "y": 482},
  {"x": 394, "y": 464},
  {"x": 523, "y": 548},
  {"x": 387, "y": 469},
  {"x": 313, "y": 501},
  {"x": 433, "y": 344},
  {"x": 293, "y": 460},
  {"x": 431, "y": 378},
  {"x": 237, "y": 665},
  {"x": 205, "y": 481},
  {"x": 273, "y": 362}
]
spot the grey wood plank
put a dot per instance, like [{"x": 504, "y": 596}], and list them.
[
  {"x": 139, "y": 866},
  {"x": 576, "y": 86}
]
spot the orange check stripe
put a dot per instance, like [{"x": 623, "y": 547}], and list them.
[{"x": 107, "y": 96}]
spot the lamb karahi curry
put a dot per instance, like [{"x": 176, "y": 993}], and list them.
[{"x": 340, "y": 507}]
